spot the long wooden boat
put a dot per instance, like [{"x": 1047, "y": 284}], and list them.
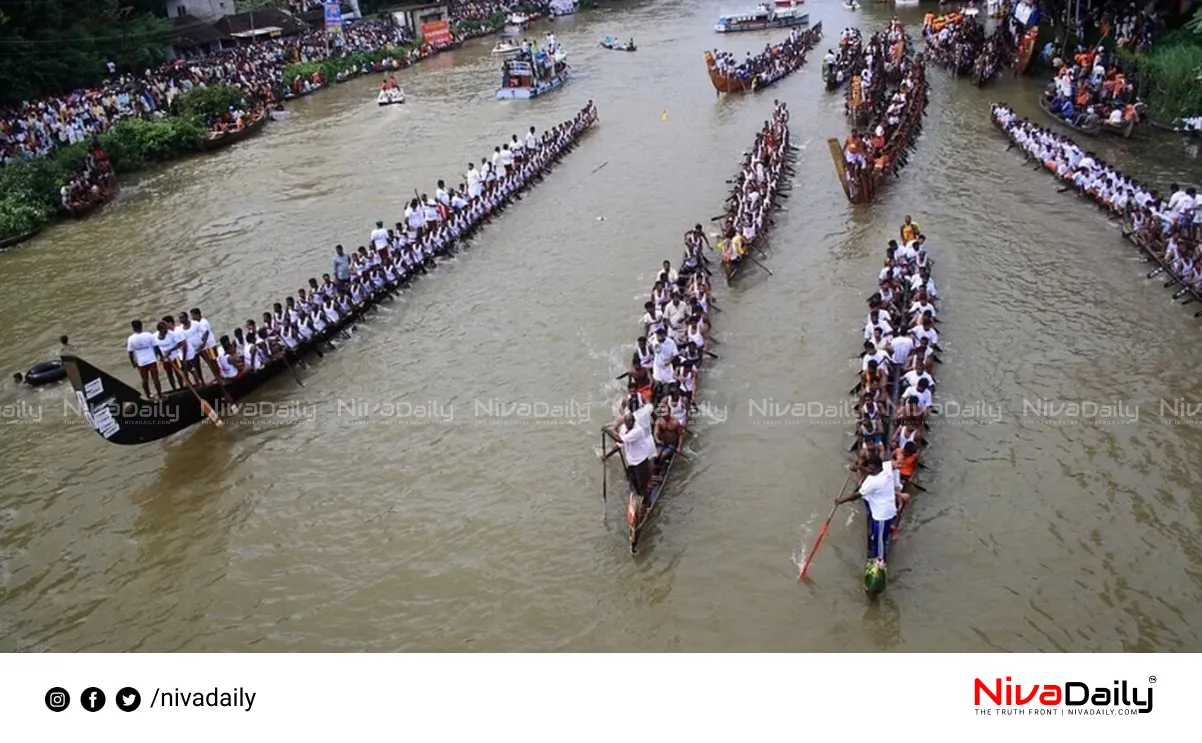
[
  {"x": 217, "y": 140},
  {"x": 724, "y": 83},
  {"x": 638, "y": 512},
  {"x": 9, "y": 242},
  {"x": 1196, "y": 133},
  {"x": 121, "y": 415},
  {"x": 83, "y": 210},
  {"x": 875, "y": 576},
  {"x": 1153, "y": 256},
  {"x": 861, "y": 183},
  {"x": 1128, "y": 232}
]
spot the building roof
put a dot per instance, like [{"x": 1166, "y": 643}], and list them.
[
  {"x": 191, "y": 31},
  {"x": 258, "y": 19}
]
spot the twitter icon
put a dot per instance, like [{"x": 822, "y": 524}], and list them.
[{"x": 128, "y": 699}]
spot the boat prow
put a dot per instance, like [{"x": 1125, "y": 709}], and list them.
[{"x": 121, "y": 414}]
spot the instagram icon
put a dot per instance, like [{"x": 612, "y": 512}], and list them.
[{"x": 57, "y": 699}]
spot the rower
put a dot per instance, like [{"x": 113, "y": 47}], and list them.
[
  {"x": 643, "y": 354},
  {"x": 872, "y": 429},
  {"x": 167, "y": 348},
  {"x": 905, "y": 462},
  {"x": 667, "y": 432},
  {"x": 916, "y": 401},
  {"x": 379, "y": 236},
  {"x": 904, "y": 433},
  {"x": 881, "y": 495},
  {"x": 195, "y": 337},
  {"x": 227, "y": 360},
  {"x": 732, "y": 252},
  {"x": 638, "y": 449},
  {"x": 667, "y": 274},
  {"x": 876, "y": 376},
  {"x": 141, "y": 347},
  {"x": 341, "y": 265}
]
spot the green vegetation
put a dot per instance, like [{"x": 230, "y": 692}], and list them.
[
  {"x": 493, "y": 22},
  {"x": 210, "y": 102},
  {"x": 30, "y": 190},
  {"x": 52, "y": 46},
  {"x": 1168, "y": 76},
  {"x": 331, "y": 67}
]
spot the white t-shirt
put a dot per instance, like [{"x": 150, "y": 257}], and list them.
[
  {"x": 667, "y": 350},
  {"x": 902, "y": 346},
  {"x": 911, "y": 378},
  {"x": 141, "y": 345},
  {"x": 226, "y": 366},
  {"x": 379, "y": 237},
  {"x": 194, "y": 334},
  {"x": 206, "y": 327},
  {"x": 923, "y": 398},
  {"x": 638, "y": 445},
  {"x": 878, "y": 356},
  {"x": 931, "y": 335},
  {"x": 167, "y": 342},
  {"x": 878, "y": 492}
]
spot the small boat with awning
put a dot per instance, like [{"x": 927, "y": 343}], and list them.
[{"x": 531, "y": 75}]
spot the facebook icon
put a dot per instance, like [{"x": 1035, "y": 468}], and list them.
[{"x": 92, "y": 699}]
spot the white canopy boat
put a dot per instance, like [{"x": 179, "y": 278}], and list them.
[
  {"x": 390, "y": 97},
  {"x": 507, "y": 44}
]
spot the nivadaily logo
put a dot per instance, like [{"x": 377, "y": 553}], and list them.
[{"x": 1072, "y": 697}]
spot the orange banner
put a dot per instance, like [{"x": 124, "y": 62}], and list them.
[{"x": 437, "y": 34}]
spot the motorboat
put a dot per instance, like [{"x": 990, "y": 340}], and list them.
[
  {"x": 618, "y": 46},
  {"x": 763, "y": 17},
  {"x": 530, "y": 76},
  {"x": 507, "y": 45},
  {"x": 390, "y": 97}
]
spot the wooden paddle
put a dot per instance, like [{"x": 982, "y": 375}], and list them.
[
  {"x": 761, "y": 265},
  {"x": 825, "y": 526},
  {"x": 205, "y": 407},
  {"x": 291, "y": 368}
]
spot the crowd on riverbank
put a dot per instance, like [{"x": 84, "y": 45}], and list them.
[
  {"x": 37, "y": 128},
  {"x": 137, "y": 115}
]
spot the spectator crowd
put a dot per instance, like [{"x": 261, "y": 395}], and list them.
[{"x": 36, "y": 128}]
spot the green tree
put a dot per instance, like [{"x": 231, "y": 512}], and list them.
[{"x": 53, "y": 46}]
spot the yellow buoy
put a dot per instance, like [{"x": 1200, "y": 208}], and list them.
[{"x": 664, "y": 116}]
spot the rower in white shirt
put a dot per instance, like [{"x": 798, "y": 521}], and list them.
[
  {"x": 379, "y": 236},
  {"x": 475, "y": 183}
]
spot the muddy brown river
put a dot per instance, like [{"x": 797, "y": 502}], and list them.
[{"x": 435, "y": 485}]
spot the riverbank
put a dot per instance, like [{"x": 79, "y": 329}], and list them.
[
  {"x": 29, "y": 191},
  {"x": 1168, "y": 76}
]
